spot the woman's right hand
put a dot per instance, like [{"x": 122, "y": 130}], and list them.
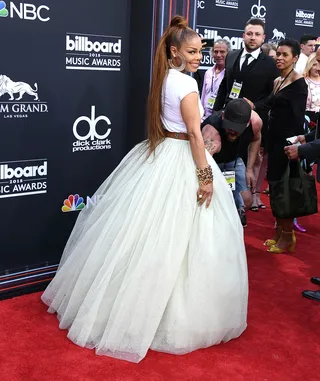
[{"x": 204, "y": 194}]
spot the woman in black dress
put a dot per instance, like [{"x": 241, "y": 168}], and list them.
[{"x": 288, "y": 105}]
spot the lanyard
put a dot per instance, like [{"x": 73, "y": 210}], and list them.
[
  {"x": 282, "y": 82},
  {"x": 214, "y": 75}
]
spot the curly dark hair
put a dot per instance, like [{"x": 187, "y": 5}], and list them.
[{"x": 293, "y": 44}]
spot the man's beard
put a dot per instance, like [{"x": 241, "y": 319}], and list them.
[
  {"x": 249, "y": 49},
  {"x": 232, "y": 138}
]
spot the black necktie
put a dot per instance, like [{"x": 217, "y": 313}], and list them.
[{"x": 245, "y": 63}]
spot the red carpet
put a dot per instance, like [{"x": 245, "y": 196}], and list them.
[{"x": 282, "y": 342}]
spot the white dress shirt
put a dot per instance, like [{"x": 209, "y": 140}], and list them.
[
  {"x": 254, "y": 56},
  {"x": 301, "y": 63}
]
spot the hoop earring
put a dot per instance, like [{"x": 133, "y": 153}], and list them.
[{"x": 181, "y": 67}]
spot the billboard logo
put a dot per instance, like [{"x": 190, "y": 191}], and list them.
[
  {"x": 23, "y": 178},
  {"x": 16, "y": 107},
  {"x": 25, "y": 11},
  {"x": 259, "y": 11},
  {"x": 89, "y": 140},
  {"x": 228, "y": 3},
  {"x": 304, "y": 18},
  {"x": 93, "y": 52},
  {"x": 215, "y": 34},
  {"x": 3, "y": 9}
]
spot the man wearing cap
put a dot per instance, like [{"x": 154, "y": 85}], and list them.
[{"x": 239, "y": 129}]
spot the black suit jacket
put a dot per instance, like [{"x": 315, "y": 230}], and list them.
[
  {"x": 257, "y": 85},
  {"x": 311, "y": 151}
]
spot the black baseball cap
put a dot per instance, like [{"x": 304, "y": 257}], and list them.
[{"x": 236, "y": 115}]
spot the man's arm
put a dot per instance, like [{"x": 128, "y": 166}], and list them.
[
  {"x": 212, "y": 139},
  {"x": 253, "y": 149},
  {"x": 310, "y": 151},
  {"x": 311, "y": 136}
]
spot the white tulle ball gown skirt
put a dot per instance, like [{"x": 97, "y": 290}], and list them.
[{"x": 147, "y": 267}]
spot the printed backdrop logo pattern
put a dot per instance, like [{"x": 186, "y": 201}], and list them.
[
  {"x": 25, "y": 11},
  {"x": 22, "y": 99},
  {"x": 277, "y": 36},
  {"x": 304, "y": 18},
  {"x": 73, "y": 203},
  {"x": 60, "y": 92},
  {"x": 228, "y": 3},
  {"x": 10, "y": 87},
  {"x": 259, "y": 11},
  {"x": 93, "y": 52},
  {"x": 3, "y": 10},
  {"x": 91, "y": 140},
  {"x": 201, "y": 4},
  {"x": 23, "y": 178}
]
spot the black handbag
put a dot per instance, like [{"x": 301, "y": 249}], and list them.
[{"x": 293, "y": 196}]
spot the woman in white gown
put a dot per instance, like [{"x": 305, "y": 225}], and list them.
[{"x": 160, "y": 261}]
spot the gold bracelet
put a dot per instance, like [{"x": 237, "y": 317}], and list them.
[{"x": 205, "y": 175}]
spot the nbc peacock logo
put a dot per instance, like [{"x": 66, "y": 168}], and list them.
[
  {"x": 3, "y": 9},
  {"x": 74, "y": 203}
]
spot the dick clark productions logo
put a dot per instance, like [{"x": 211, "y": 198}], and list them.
[
  {"x": 90, "y": 139},
  {"x": 259, "y": 11}
]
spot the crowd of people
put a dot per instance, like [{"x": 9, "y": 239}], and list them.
[
  {"x": 160, "y": 261},
  {"x": 285, "y": 93}
]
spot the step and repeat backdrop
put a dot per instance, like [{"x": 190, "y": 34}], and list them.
[
  {"x": 226, "y": 19},
  {"x": 66, "y": 85},
  {"x": 63, "y": 93}
]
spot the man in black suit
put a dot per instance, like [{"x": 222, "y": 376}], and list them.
[
  {"x": 249, "y": 74},
  {"x": 309, "y": 149}
]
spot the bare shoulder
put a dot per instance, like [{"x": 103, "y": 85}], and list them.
[
  {"x": 276, "y": 82},
  {"x": 256, "y": 122},
  {"x": 296, "y": 76}
]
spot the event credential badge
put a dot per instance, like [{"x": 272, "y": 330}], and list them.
[
  {"x": 210, "y": 102},
  {"x": 235, "y": 91},
  {"x": 230, "y": 177}
]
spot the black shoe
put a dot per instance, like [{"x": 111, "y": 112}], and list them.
[
  {"x": 243, "y": 217},
  {"x": 315, "y": 280},
  {"x": 314, "y": 295}
]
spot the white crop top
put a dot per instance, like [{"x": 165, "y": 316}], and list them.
[{"x": 175, "y": 87}]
